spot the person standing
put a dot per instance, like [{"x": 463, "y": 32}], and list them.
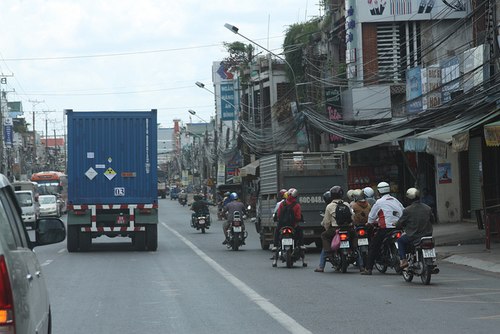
[
  {"x": 327, "y": 197},
  {"x": 385, "y": 213}
]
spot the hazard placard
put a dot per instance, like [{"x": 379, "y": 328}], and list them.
[{"x": 110, "y": 173}]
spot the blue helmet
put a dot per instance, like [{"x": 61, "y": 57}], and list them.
[{"x": 233, "y": 196}]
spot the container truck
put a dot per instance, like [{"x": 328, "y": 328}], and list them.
[
  {"x": 311, "y": 174},
  {"x": 112, "y": 177}
]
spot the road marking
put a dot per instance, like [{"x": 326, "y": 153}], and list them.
[
  {"x": 46, "y": 263},
  {"x": 491, "y": 317},
  {"x": 285, "y": 320},
  {"x": 62, "y": 250}
]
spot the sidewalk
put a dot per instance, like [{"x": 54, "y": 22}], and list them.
[{"x": 463, "y": 243}]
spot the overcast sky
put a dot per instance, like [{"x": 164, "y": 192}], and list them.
[{"x": 128, "y": 54}]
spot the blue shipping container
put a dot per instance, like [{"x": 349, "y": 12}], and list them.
[{"x": 112, "y": 157}]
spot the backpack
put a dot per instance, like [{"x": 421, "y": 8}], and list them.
[
  {"x": 343, "y": 215},
  {"x": 287, "y": 217}
]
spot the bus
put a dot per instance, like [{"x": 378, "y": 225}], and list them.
[{"x": 53, "y": 183}]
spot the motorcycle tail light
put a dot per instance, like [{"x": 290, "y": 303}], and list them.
[
  {"x": 361, "y": 232},
  {"x": 397, "y": 235},
  {"x": 427, "y": 244},
  {"x": 236, "y": 223},
  {"x": 343, "y": 236},
  {"x": 287, "y": 231}
]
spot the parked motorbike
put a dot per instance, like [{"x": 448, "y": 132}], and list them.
[
  {"x": 421, "y": 261},
  {"x": 288, "y": 251},
  {"x": 235, "y": 233},
  {"x": 346, "y": 254},
  {"x": 388, "y": 256},
  {"x": 363, "y": 244},
  {"x": 201, "y": 222}
]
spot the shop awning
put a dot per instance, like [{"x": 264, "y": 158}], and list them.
[
  {"x": 374, "y": 141},
  {"x": 250, "y": 169},
  {"x": 492, "y": 134},
  {"x": 436, "y": 141}
]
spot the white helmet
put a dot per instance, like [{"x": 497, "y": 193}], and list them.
[
  {"x": 358, "y": 195},
  {"x": 350, "y": 194},
  {"x": 383, "y": 188},
  {"x": 413, "y": 193},
  {"x": 368, "y": 192}
]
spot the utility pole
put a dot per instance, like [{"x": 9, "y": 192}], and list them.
[
  {"x": 34, "y": 103},
  {"x": 3, "y": 96}
]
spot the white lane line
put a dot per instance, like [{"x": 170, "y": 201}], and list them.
[
  {"x": 61, "y": 250},
  {"x": 286, "y": 321},
  {"x": 46, "y": 263}
]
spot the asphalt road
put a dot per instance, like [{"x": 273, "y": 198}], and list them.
[{"x": 193, "y": 284}]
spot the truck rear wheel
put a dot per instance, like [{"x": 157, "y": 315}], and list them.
[
  {"x": 72, "y": 242},
  {"x": 152, "y": 237},
  {"x": 85, "y": 241}
]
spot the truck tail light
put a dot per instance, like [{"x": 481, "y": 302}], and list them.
[
  {"x": 80, "y": 212},
  {"x": 6, "y": 299}
]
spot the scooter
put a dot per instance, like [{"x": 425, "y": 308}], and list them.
[
  {"x": 288, "y": 251},
  {"x": 421, "y": 261},
  {"x": 235, "y": 234},
  {"x": 201, "y": 222},
  {"x": 363, "y": 244},
  {"x": 345, "y": 254},
  {"x": 388, "y": 257}
]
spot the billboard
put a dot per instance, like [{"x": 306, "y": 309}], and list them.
[
  {"x": 410, "y": 10},
  {"x": 414, "y": 89}
]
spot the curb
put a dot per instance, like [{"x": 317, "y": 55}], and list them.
[{"x": 474, "y": 263}]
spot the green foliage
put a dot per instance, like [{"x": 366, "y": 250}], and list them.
[
  {"x": 296, "y": 39},
  {"x": 240, "y": 55}
]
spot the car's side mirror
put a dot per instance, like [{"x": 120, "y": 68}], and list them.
[{"x": 49, "y": 231}]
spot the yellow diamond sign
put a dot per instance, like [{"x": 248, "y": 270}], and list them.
[{"x": 110, "y": 173}]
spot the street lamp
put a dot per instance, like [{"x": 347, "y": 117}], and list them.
[
  {"x": 192, "y": 112},
  {"x": 235, "y": 30}
]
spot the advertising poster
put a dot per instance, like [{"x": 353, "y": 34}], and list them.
[{"x": 444, "y": 172}]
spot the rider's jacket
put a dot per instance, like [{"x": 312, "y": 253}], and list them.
[
  {"x": 386, "y": 212},
  {"x": 200, "y": 207},
  {"x": 417, "y": 220}
]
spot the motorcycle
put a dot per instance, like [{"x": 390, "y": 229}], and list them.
[
  {"x": 345, "y": 255},
  {"x": 182, "y": 200},
  {"x": 421, "y": 261},
  {"x": 288, "y": 251},
  {"x": 201, "y": 222},
  {"x": 388, "y": 256},
  {"x": 235, "y": 234},
  {"x": 363, "y": 244}
]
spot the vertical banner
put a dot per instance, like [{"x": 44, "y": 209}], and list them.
[
  {"x": 450, "y": 72},
  {"x": 413, "y": 89},
  {"x": 333, "y": 108},
  {"x": 8, "y": 131},
  {"x": 227, "y": 101}
]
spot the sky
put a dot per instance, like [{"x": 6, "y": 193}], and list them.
[{"x": 128, "y": 54}]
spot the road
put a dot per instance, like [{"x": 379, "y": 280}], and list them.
[{"x": 193, "y": 284}]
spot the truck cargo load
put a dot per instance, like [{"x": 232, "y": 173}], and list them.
[
  {"x": 112, "y": 178},
  {"x": 311, "y": 174}
]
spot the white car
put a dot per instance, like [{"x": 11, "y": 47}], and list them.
[
  {"x": 24, "y": 301},
  {"x": 49, "y": 206}
]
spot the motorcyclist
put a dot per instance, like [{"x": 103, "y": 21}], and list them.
[
  {"x": 222, "y": 203},
  {"x": 327, "y": 197},
  {"x": 369, "y": 195},
  {"x": 385, "y": 213},
  {"x": 282, "y": 195},
  {"x": 291, "y": 200},
  {"x": 350, "y": 196},
  {"x": 234, "y": 205},
  {"x": 329, "y": 222},
  {"x": 361, "y": 209},
  {"x": 182, "y": 196},
  {"x": 416, "y": 221},
  {"x": 200, "y": 207}
]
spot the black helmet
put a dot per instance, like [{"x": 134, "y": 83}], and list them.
[
  {"x": 327, "y": 197},
  {"x": 336, "y": 192}
]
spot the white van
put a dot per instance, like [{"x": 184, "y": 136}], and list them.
[{"x": 29, "y": 205}]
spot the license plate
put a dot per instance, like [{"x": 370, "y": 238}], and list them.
[
  {"x": 308, "y": 232},
  {"x": 344, "y": 244},
  {"x": 363, "y": 242},
  {"x": 236, "y": 228},
  {"x": 201, "y": 221},
  {"x": 287, "y": 242},
  {"x": 429, "y": 253}
]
